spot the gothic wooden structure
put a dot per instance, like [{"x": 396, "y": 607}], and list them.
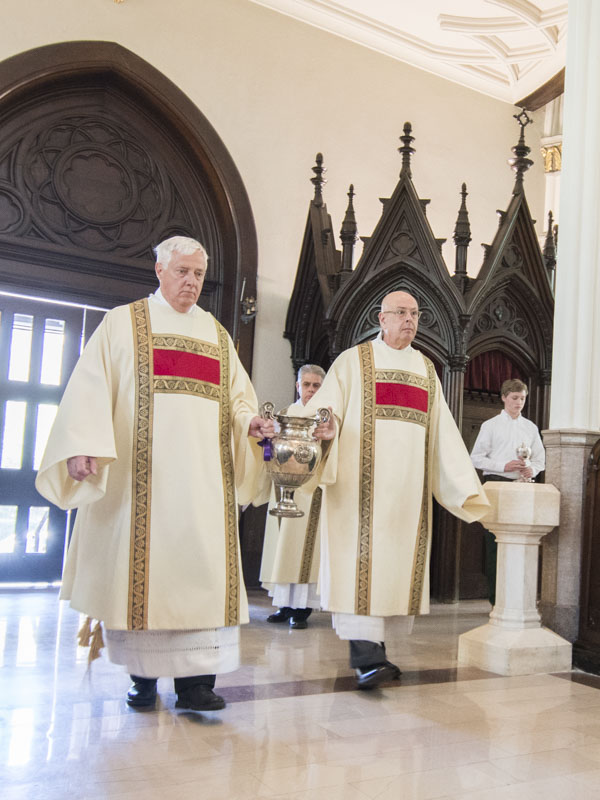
[{"x": 478, "y": 331}]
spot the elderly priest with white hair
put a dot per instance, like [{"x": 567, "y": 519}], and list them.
[
  {"x": 395, "y": 445},
  {"x": 153, "y": 445}
]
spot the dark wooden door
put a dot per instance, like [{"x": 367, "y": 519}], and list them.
[{"x": 586, "y": 650}]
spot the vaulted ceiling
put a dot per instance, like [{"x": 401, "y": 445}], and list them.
[{"x": 503, "y": 48}]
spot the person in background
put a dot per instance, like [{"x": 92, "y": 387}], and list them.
[
  {"x": 291, "y": 550},
  {"x": 495, "y": 454}
]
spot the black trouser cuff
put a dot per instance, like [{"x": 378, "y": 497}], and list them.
[
  {"x": 366, "y": 654},
  {"x": 137, "y": 679},
  {"x": 181, "y": 684}
]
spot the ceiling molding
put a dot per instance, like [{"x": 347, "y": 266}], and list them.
[
  {"x": 545, "y": 94},
  {"x": 504, "y": 55}
]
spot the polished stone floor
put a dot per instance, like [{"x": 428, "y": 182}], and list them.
[{"x": 294, "y": 726}]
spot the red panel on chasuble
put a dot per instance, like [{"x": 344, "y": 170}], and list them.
[
  {"x": 400, "y": 394},
  {"x": 178, "y": 364}
]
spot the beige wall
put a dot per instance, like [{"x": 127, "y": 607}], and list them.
[{"x": 277, "y": 92}]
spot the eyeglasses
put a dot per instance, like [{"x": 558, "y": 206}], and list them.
[{"x": 404, "y": 313}]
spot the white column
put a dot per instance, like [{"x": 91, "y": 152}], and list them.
[
  {"x": 513, "y": 642},
  {"x": 575, "y": 398}
]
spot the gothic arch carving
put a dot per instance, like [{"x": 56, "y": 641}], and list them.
[
  {"x": 358, "y": 320},
  {"x": 512, "y": 320},
  {"x": 101, "y": 157}
]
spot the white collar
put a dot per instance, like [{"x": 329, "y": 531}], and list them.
[
  {"x": 379, "y": 338},
  {"x": 159, "y": 296},
  {"x": 508, "y": 416}
]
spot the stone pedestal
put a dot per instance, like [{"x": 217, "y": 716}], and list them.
[
  {"x": 513, "y": 641},
  {"x": 567, "y": 456}
]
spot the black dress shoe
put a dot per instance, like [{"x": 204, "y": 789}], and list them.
[
  {"x": 281, "y": 616},
  {"x": 298, "y": 624},
  {"x": 371, "y": 677},
  {"x": 396, "y": 669},
  {"x": 200, "y": 698},
  {"x": 142, "y": 693}
]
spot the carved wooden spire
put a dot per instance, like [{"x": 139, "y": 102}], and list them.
[
  {"x": 462, "y": 238},
  {"x": 521, "y": 163},
  {"x": 406, "y": 150},
  {"x": 550, "y": 249},
  {"x": 318, "y": 181},
  {"x": 348, "y": 234}
]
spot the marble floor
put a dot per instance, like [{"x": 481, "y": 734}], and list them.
[{"x": 294, "y": 726}]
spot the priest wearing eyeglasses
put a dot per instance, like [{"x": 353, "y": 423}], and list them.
[{"x": 393, "y": 445}]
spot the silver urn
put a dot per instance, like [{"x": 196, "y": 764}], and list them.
[{"x": 294, "y": 456}]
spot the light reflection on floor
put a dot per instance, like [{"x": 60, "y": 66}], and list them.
[{"x": 294, "y": 726}]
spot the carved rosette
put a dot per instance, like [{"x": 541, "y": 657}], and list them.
[
  {"x": 512, "y": 257},
  {"x": 402, "y": 244},
  {"x": 93, "y": 184},
  {"x": 501, "y": 314}
]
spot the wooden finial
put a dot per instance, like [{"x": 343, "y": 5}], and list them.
[
  {"x": 318, "y": 181},
  {"x": 406, "y": 150},
  {"x": 462, "y": 238},
  {"x": 550, "y": 247},
  {"x": 520, "y": 164},
  {"x": 348, "y": 233}
]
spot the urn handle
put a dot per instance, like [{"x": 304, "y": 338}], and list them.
[
  {"x": 323, "y": 415},
  {"x": 267, "y": 410}
]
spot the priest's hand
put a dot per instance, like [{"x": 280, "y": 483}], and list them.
[
  {"x": 326, "y": 430},
  {"x": 261, "y": 428},
  {"x": 79, "y": 467}
]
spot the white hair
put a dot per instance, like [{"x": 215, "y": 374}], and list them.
[
  {"x": 311, "y": 369},
  {"x": 182, "y": 244}
]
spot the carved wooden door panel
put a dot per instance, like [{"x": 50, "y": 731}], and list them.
[
  {"x": 102, "y": 157},
  {"x": 39, "y": 345}
]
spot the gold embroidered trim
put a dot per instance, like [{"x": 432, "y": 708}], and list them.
[
  {"x": 365, "y": 488},
  {"x": 398, "y": 376},
  {"x": 139, "y": 548},
  {"x": 418, "y": 572},
  {"x": 232, "y": 580},
  {"x": 399, "y": 412},
  {"x": 185, "y": 344},
  {"x": 186, "y": 386},
  {"x": 310, "y": 538}
]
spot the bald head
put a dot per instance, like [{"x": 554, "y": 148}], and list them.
[
  {"x": 399, "y": 319},
  {"x": 395, "y": 300}
]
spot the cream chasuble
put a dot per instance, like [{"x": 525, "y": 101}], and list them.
[
  {"x": 291, "y": 548},
  {"x": 397, "y": 444},
  {"x": 161, "y": 399}
]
